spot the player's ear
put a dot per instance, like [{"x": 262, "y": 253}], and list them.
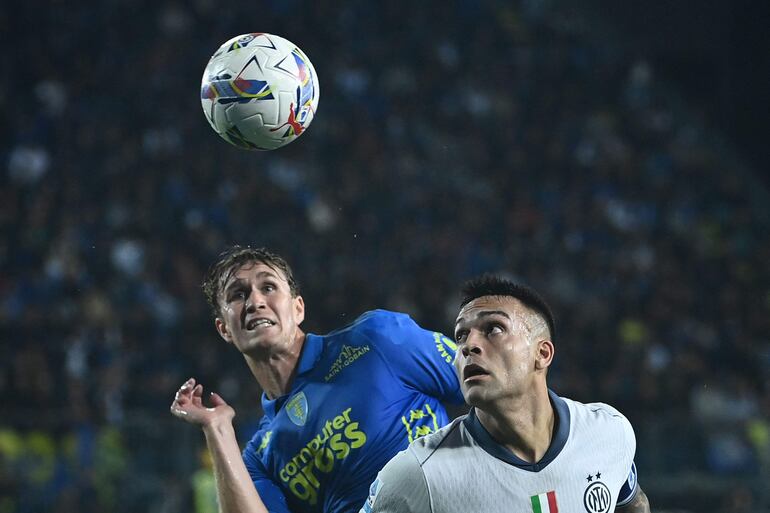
[
  {"x": 544, "y": 355},
  {"x": 299, "y": 309},
  {"x": 223, "y": 331}
]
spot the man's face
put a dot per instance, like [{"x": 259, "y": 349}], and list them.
[
  {"x": 497, "y": 349},
  {"x": 258, "y": 310}
]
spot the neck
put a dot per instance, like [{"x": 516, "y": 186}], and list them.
[
  {"x": 275, "y": 371},
  {"x": 523, "y": 424}
]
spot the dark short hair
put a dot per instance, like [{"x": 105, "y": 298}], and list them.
[
  {"x": 492, "y": 285},
  {"x": 231, "y": 260}
]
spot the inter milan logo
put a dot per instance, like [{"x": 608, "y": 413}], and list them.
[{"x": 597, "y": 498}]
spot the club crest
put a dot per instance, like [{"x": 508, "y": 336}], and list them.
[
  {"x": 597, "y": 498},
  {"x": 296, "y": 409}
]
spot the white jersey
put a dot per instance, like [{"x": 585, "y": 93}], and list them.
[{"x": 587, "y": 469}]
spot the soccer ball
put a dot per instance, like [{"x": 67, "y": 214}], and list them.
[{"x": 259, "y": 91}]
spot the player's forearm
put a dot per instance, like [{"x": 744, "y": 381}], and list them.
[
  {"x": 640, "y": 504},
  {"x": 235, "y": 489}
]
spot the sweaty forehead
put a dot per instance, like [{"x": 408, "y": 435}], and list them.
[
  {"x": 485, "y": 305},
  {"x": 251, "y": 270}
]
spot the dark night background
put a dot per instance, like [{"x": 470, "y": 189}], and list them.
[
  {"x": 609, "y": 153},
  {"x": 718, "y": 52}
]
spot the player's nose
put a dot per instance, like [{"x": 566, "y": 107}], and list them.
[
  {"x": 256, "y": 301},
  {"x": 471, "y": 345}
]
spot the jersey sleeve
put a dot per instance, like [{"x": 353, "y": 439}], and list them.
[
  {"x": 625, "y": 435},
  {"x": 630, "y": 486},
  {"x": 629, "y": 489},
  {"x": 419, "y": 358},
  {"x": 400, "y": 487},
  {"x": 630, "y": 440},
  {"x": 268, "y": 490}
]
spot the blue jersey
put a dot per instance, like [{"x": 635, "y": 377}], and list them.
[{"x": 361, "y": 394}]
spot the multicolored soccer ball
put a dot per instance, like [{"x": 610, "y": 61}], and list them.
[{"x": 259, "y": 91}]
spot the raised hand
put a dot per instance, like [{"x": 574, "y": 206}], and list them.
[{"x": 188, "y": 405}]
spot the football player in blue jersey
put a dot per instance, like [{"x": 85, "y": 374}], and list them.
[{"x": 336, "y": 407}]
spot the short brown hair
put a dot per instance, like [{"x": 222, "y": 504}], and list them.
[{"x": 231, "y": 260}]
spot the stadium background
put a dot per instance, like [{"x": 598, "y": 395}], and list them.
[{"x": 563, "y": 145}]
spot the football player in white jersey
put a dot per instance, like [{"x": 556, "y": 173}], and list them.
[{"x": 521, "y": 448}]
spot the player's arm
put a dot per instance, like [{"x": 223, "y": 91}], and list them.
[
  {"x": 422, "y": 359},
  {"x": 235, "y": 489},
  {"x": 400, "y": 487},
  {"x": 639, "y": 504}
]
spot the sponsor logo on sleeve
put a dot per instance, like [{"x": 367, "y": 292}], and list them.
[
  {"x": 264, "y": 442},
  {"x": 629, "y": 488},
  {"x": 446, "y": 348},
  {"x": 420, "y": 422},
  {"x": 374, "y": 489},
  {"x": 632, "y": 477}
]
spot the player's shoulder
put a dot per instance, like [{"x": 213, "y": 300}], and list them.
[
  {"x": 259, "y": 441},
  {"x": 593, "y": 410},
  {"x": 592, "y": 415},
  {"x": 256, "y": 448},
  {"x": 600, "y": 420},
  {"x": 445, "y": 438},
  {"x": 377, "y": 324},
  {"x": 374, "y": 319}
]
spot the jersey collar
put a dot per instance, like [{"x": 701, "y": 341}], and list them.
[
  {"x": 485, "y": 440},
  {"x": 311, "y": 352}
]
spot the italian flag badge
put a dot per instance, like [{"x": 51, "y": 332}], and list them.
[{"x": 544, "y": 503}]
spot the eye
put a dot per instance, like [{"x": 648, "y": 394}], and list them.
[
  {"x": 268, "y": 287},
  {"x": 237, "y": 295},
  {"x": 460, "y": 336},
  {"x": 494, "y": 329}
]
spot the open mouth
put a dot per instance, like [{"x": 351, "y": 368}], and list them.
[
  {"x": 473, "y": 371},
  {"x": 258, "y": 323}
]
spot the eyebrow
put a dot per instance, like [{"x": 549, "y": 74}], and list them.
[
  {"x": 240, "y": 281},
  {"x": 485, "y": 313}
]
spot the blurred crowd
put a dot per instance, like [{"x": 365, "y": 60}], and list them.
[{"x": 450, "y": 140}]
